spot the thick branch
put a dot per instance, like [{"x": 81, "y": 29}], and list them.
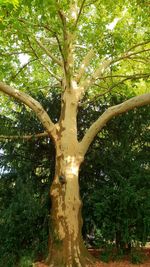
[
  {"x": 97, "y": 74},
  {"x": 23, "y": 137},
  {"x": 31, "y": 103},
  {"x": 67, "y": 47},
  {"x": 111, "y": 112},
  {"x": 84, "y": 65}
]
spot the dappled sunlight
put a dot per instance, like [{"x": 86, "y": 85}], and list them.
[{"x": 73, "y": 166}]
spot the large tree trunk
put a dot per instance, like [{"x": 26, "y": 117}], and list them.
[{"x": 67, "y": 248}]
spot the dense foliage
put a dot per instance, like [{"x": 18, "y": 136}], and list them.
[
  {"x": 117, "y": 183},
  {"x": 114, "y": 184},
  {"x": 27, "y": 168}
]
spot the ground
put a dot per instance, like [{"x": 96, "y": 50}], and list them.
[
  {"x": 120, "y": 264},
  {"x": 110, "y": 264},
  {"x": 125, "y": 263}
]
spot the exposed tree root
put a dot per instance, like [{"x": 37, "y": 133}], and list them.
[
  {"x": 80, "y": 262},
  {"x": 40, "y": 264},
  {"x": 77, "y": 259}
]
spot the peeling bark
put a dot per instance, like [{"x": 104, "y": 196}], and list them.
[{"x": 66, "y": 244}]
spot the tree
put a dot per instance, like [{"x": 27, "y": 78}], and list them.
[{"x": 76, "y": 49}]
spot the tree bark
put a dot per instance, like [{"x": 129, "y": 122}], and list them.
[
  {"x": 66, "y": 248},
  {"x": 32, "y": 104}
]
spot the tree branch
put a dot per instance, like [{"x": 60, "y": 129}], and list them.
[
  {"x": 31, "y": 103},
  {"x": 80, "y": 11},
  {"x": 84, "y": 64},
  {"x": 63, "y": 20},
  {"x": 60, "y": 48},
  {"x": 108, "y": 62},
  {"x": 23, "y": 137},
  {"x": 39, "y": 25},
  {"x": 22, "y": 68},
  {"x": 137, "y": 45},
  {"x": 97, "y": 74},
  {"x": 133, "y": 76},
  {"x": 107, "y": 90},
  {"x": 48, "y": 53},
  {"x": 129, "y": 55},
  {"x": 6, "y": 54},
  {"x": 48, "y": 70},
  {"x": 67, "y": 47},
  {"x": 111, "y": 112}
]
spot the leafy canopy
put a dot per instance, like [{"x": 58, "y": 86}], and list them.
[{"x": 110, "y": 28}]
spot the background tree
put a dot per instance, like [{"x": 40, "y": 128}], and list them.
[
  {"x": 115, "y": 189},
  {"x": 58, "y": 39},
  {"x": 27, "y": 169}
]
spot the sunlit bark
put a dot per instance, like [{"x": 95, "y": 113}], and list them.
[
  {"x": 66, "y": 246},
  {"x": 31, "y": 103}
]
